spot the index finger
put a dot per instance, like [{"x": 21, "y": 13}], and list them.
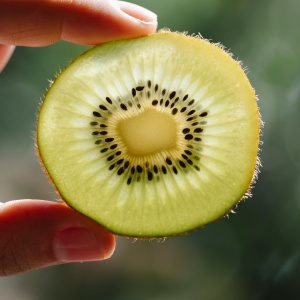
[{"x": 43, "y": 22}]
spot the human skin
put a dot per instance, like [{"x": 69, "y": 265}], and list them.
[{"x": 39, "y": 233}]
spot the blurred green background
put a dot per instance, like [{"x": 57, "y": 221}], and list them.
[{"x": 254, "y": 254}]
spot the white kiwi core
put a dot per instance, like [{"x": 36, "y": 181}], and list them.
[{"x": 148, "y": 133}]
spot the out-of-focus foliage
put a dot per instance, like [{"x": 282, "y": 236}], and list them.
[{"x": 254, "y": 254}]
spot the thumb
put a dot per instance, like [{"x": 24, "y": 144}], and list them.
[{"x": 36, "y": 234}]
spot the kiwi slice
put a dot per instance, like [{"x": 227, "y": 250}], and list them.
[{"x": 153, "y": 136}]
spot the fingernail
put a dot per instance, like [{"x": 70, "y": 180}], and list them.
[
  {"x": 145, "y": 15},
  {"x": 77, "y": 244},
  {"x": 6, "y": 52},
  {"x": 137, "y": 12}
]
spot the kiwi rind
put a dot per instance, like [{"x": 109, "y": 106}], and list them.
[{"x": 244, "y": 192}]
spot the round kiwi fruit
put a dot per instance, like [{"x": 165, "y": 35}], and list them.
[{"x": 153, "y": 136}]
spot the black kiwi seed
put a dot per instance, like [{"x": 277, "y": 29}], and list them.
[
  {"x": 110, "y": 158},
  {"x": 204, "y": 114},
  {"x": 174, "y": 111},
  {"x": 182, "y": 164},
  {"x": 150, "y": 175},
  {"x": 188, "y": 137},
  {"x": 186, "y": 130},
  {"x": 191, "y": 102},
  {"x": 184, "y": 156},
  {"x": 168, "y": 161},
  {"x": 183, "y": 109},
  {"x": 139, "y": 88},
  {"x": 121, "y": 171},
  {"x": 191, "y": 112},
  {"x": 172, "y": 95},
  {"x": 175, "y": 170},
  {"x": 120, "y": 161},
  {"x": 123, "y": 106},
  {"x": 103, "y": 107},
  {"x": 96, "y": 114},
  {"x": 109, "y": 140},
  {"x": 132, "y": 171},
  {"x": 108, "y": 100}
]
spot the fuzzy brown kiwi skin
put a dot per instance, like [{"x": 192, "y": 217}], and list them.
[{"x": 242, "y": 197}]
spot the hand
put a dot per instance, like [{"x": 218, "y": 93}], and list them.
[{"x": 36, "y": 233}]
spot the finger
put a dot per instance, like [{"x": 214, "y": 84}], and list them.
[
  {"x": 35, "y": 234},
  {"x": 5, "y": 54},
  {"x": 43, "y": 22}
]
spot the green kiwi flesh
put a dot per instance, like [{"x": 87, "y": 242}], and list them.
[{"x": 151, "y": 137}]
